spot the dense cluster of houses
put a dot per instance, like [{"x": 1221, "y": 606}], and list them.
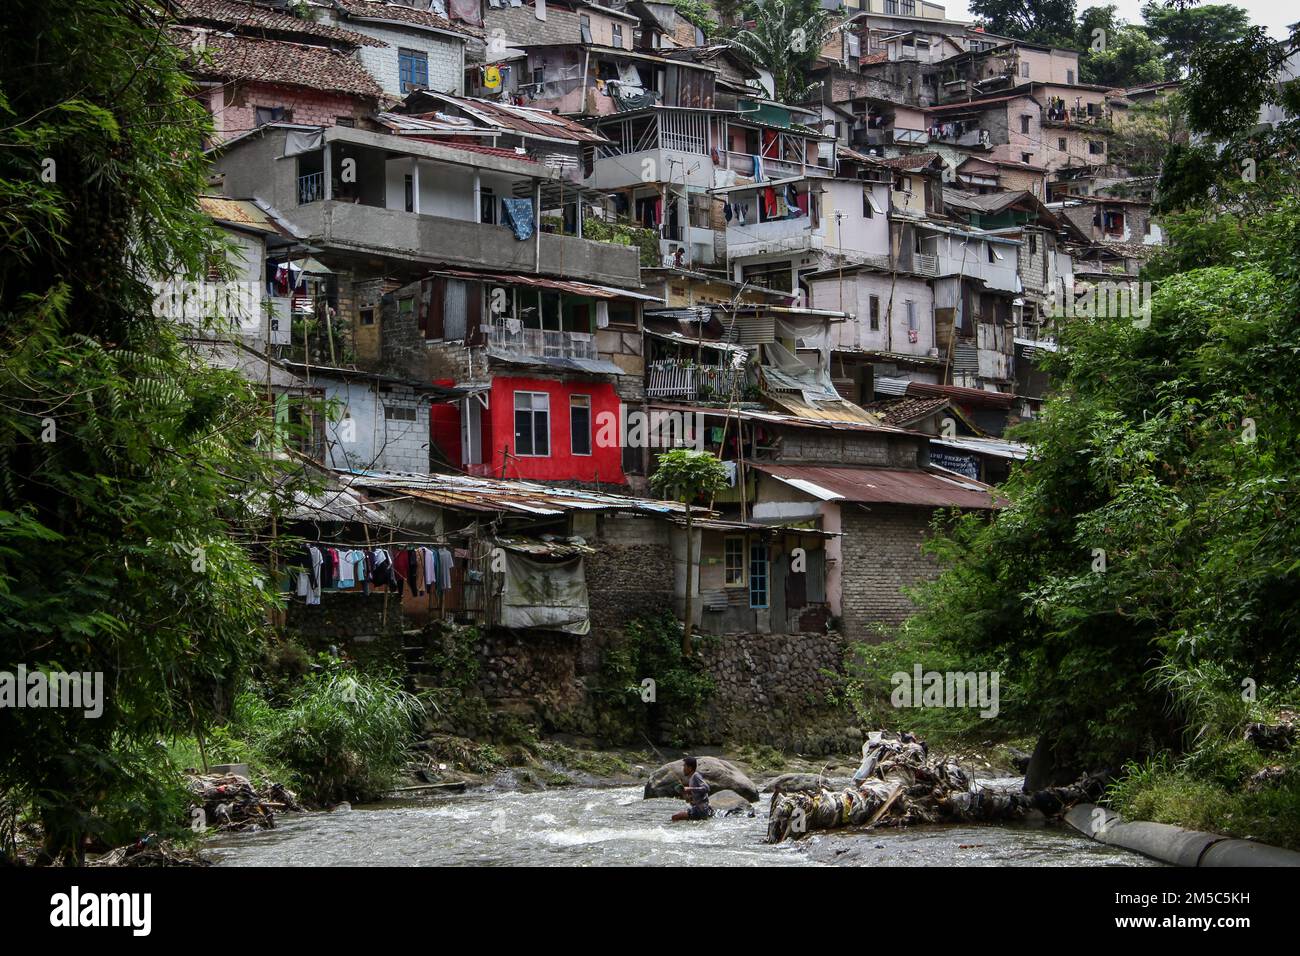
[{"x": 514, "y": 249}]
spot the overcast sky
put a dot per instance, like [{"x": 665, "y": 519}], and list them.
[{"x": 1276, "y": 15}]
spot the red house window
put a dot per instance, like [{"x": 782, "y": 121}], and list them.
[{"x": 532, "y": 424}]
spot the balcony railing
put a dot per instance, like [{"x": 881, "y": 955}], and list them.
[
  {"x": 543, "y": 343},
  {"x": 311, "y": 188},
  {"x": 675, "y": 379},
  {"x": 925, "y": 265}
]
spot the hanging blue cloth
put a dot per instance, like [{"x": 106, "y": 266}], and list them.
[{"x": 518, "y": 214}]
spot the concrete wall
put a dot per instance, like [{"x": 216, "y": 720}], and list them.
[
  {"x": 891, "y": 336},
  {"x": 436, "y": 239},
  {"x": 373, "y": 439}
]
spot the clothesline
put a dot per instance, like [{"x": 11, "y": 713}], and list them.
[{"x": 421, "y": 568}]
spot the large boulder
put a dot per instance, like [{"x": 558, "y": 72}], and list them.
[{"x": 669, "y": 779}]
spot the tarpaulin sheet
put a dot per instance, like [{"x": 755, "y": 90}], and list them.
[
  {"x": 519, "y": 216},
  {"x": 545, "y": 594}
]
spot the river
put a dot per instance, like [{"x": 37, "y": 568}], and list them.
[{"x": 614, "y": 826}]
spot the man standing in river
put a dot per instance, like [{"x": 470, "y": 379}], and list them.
[{"x": 695, "y": 792}]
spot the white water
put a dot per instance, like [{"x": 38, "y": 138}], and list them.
[{"x": 616, "y": 827}]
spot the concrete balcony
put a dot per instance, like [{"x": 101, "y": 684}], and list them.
[
  {"x": 373, "y": 230},
  {"x": 767, "y": 238}
]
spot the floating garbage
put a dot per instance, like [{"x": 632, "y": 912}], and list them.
[
  {"x": 230, "y": 802},
  {"x": 899, "y": 783}
]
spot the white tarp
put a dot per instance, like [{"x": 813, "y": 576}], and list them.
[
  {"x": 302, "y": 141},
  {"x": 545, "y": 594}
]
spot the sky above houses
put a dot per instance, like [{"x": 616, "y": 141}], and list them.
[{"x": 1276, "y": 15}]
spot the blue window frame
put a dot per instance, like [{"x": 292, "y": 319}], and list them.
[
  {"x": 758, "y": 575},
  {"x": 412, "y": 69}
]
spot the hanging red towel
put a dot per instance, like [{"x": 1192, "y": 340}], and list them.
[
  {"x": 801, "y": 200},
  {"x": 769, "y": 201},
  {"x": 401, "y": 563}
]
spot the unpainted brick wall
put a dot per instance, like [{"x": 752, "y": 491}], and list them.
[{"x": 881, "y": 556}]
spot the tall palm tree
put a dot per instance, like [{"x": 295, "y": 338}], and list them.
[{"x": 785, "y": 37}]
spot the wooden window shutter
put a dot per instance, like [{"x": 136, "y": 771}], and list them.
[
  {"x": 433, "y": 293},
  {"x": 474, "y": 334}
]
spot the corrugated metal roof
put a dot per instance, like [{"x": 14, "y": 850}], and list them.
[
  {"x": 884, "y": 486},
  {"x": 499, "y": 495},
  {"x": 242, "y": 212},
  {"x": 998, "y": 447},
  {"x": 541, "y": 282}
]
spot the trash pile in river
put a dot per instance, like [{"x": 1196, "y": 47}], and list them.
[
  {"x": 899, "y": 783},
  {"x": 229, "y": 801}
]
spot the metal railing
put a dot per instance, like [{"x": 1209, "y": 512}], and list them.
[
  {"x": 311, "y": 188},
  {"x": 544, "y": 343}
]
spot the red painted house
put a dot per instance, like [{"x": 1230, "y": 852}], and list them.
[
  {"x": 549, "y": 429},
  {"x": 536, "y": 372}
]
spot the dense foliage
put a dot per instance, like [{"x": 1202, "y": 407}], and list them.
[
  {"x": 784, "y": 37},
  {"x": 125, "y": 464},
  {"x": 631, "y": 710},
  {"x": 1169, "y": 453},
  {"x": 343, "y": 734}
]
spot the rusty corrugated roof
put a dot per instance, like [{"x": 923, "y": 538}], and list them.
[
  {"x": 885, "y": 486},
  {"x": 502, "y": 495},
  {"x": 242, "y": 212}
]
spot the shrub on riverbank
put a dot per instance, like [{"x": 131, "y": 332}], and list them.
[
  {"x": 1231, "y": 779},
  {"x": 343, "y": 735}
]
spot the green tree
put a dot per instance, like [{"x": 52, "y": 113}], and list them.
[
  {"x": 1038, "y": 21},
  {"x": 685, "y": 475},
  {"x": 784, "y": 37},
  {"x": 1154, "y": 531},
  {"x": 1114, "y": 53},
  {"x": 1180, "y": 28},
  {"x": 128, "y": 469}
]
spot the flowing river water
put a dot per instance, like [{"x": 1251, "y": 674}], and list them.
[{"x": 614, "y": 826}]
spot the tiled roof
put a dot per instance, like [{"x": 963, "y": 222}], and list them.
[
  {"x": 914, "y": 161},
  {"x": 904, "y": 411},
  {"x": 292, "y": 64},
  {"x": 248, "y": 17},
  {"x": 488, "y": 150},
  {"x": 390, "y": 11}
]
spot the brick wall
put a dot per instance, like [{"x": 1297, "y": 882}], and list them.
[
  {"x": 881, "y": 556},
  {"x": 234, "y": 107}
]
